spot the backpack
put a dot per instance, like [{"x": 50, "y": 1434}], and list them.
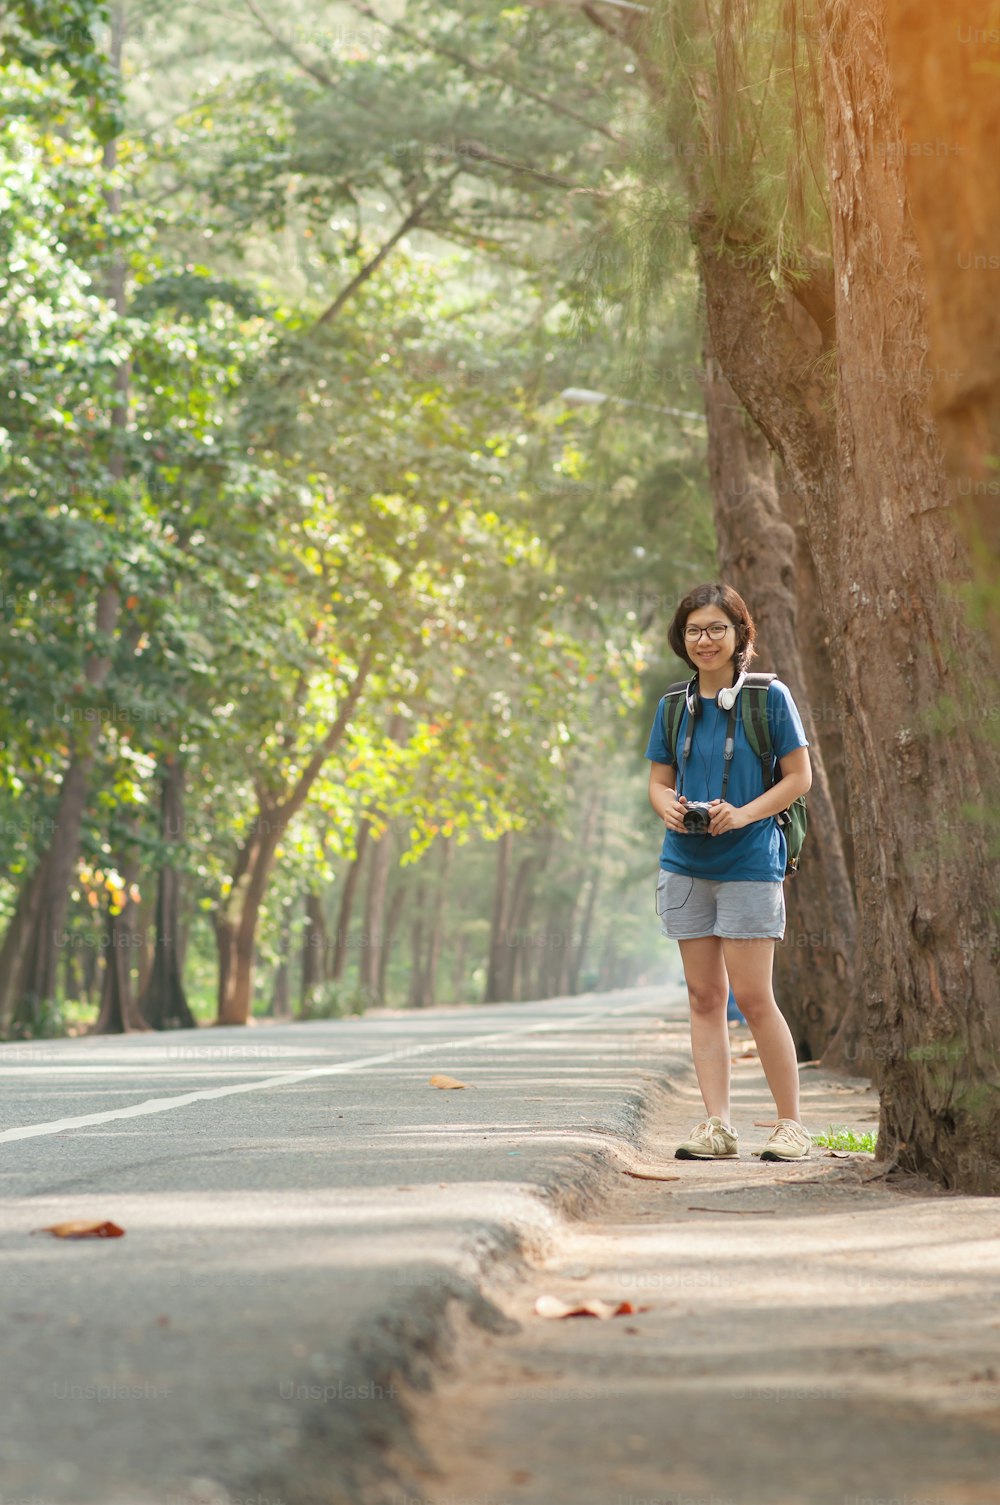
[{"x": 753, "y": 701}]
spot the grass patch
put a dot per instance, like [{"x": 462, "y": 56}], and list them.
[{"x": 840, "y": 1137}]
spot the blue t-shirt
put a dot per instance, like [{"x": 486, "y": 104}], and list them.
[{"x": 758, "y": 851}]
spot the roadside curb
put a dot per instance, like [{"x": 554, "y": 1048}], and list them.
[{"x": 358, "y": 1452}]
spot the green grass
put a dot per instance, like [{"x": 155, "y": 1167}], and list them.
[{"x": 840, "y": 1137}]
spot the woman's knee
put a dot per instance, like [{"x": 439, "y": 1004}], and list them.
[
  {"x": 756, "y": 1006},
  {"x": 707, "y": 998}
]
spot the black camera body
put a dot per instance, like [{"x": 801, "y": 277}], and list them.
[{"x": 697, "y": 816}]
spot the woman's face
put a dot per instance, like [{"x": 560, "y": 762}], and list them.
[{"x": 710, "y": 651}]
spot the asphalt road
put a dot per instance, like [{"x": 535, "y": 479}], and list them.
[{"x": 300, "y": 1207}]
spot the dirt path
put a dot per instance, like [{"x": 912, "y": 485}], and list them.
[{"x": 817, "y": 1334}]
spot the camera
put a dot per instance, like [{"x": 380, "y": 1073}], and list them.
[{"x": 697, "y": 816}]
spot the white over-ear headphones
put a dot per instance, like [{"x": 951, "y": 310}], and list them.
[{"x": 727, "y": 697}]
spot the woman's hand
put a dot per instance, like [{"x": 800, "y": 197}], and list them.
[
  {"x": 726, "y": 817},
  {"x": 673, "y": 812}
]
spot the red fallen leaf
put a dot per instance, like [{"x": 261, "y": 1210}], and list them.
[
  {"x": 440, "y": 1079},
  {"x": 83, "y": 1230},
  {"x": 553, "y": 1306}
]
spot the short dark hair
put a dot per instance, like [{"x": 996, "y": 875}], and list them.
[{"x": 715, "y": 593}]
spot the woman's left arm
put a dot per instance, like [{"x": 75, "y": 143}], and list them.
[{"x": 796, "y": 779}]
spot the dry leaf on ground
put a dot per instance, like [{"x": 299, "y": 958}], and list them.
[
  {"x": 83, "y": 1230},
  {"x": 441, "y": 1079},
  {"x": 554, "y": 1306}
]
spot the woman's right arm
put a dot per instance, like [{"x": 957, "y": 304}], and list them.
[{"x": 662, "y": 796}]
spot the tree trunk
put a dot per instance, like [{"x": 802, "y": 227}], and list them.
[
  {"x": 495, "y": 971},
  {"x": 163, "y": 1003},
  {"x": 315, "y": 950},
  {"x": 943, "y": 62},
  {"x": 396, "y": 906},
  {"x": 458, "y": 967},
  {"x": 893, "y": 570},
  {"x": 930, "y": 928},
  {"x": 814, "y": 964},
  {"x": 342, "y": 939},
  {"x": 436, "y": 937},
  {"x": 374, "y": 921},
  {"x": 418, "y": 930},
  {"x": 119, "y": 1013},
  {"x": 236, "y": 920}
]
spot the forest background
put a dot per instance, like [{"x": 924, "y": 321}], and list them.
[{"x": 374, "y": 386}]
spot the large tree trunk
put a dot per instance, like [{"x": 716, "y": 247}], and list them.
[
  {"x": 893, "y": 569},
  {"x": 163, "y": 1003},
  {"x": 930, "y": 928},
  {"x": 814, "y": 965},
  {"x": 944, "y": 63}
]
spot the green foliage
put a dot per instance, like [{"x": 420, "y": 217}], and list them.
[
  {"x": 842, "y": 1138},
  {"x": 326, "y": 456}
]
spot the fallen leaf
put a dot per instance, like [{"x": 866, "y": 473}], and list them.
[
  {"x": 764, "y": 1123},
  {"x": 82, "y": 1230},
  {"x": 439, "y": 1079},
  {"x": 554, "y": 1306},
  {"x": 839, "y": 1154}
]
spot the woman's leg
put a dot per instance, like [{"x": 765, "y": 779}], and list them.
[
  {"x": 750, "y": 964},
  {"x": 708, "y": 992}
]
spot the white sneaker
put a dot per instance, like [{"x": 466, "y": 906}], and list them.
[
  {"x": 711, "y": 1140},
  {"x": 789, "y": 1141}
]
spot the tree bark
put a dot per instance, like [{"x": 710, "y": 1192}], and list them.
[
  {"x": 342, "y": 938},
  {"x": 163, "y": 1003},
  {"x": 814, "y": 964},
  {"x": 893, "y": 569},
  {"x": 944, "y": 63}
]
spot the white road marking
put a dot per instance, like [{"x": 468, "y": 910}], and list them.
[{"x": 287, "y": 1078}]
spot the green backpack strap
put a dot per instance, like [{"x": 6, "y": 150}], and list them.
[
  {"x": 795, "y": 819},
  {"x": 673, "y": 710},
  {"x": 753, "y": 699}
]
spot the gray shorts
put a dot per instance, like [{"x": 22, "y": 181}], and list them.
[{"x": 742, "y": 910}]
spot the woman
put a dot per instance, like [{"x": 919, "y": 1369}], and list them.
[{"x": 720, "y": 893}]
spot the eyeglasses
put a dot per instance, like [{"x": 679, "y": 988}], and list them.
[{"x": 716, "y": 631}]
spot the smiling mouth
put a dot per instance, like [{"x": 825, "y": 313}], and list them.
[{"x": 709, "y": 655}]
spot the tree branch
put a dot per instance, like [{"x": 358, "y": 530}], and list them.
[
  {"x": 372, "y": 266},
  {"x": 288, "y": 49},
  {"x": 310, "y": 773},
  {"x": 364, "y": 9}
]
